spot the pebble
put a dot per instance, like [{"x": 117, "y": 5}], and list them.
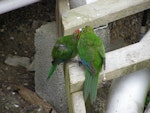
[
  {"x": 12, "y": 38},
  {"x": 26, "y": 52},
  {"x": 13, "y": 93},
  {"x": 8, "y": 88},
  {"x": 6, "y": 107},
  {"x": 16, "y": 105},
  {"x": 25, "y": 84},
  {"x": 1, "y": 30}
]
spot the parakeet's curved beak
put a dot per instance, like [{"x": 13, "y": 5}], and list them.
[{"x": 80, "y": 29}]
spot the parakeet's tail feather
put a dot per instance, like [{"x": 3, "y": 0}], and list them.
[
  {"x": 90, "y": 86},
  {"x": 52, "y": 69},
  {"x": 87, "y": 85},
  {"x": 93, "y": 90}
]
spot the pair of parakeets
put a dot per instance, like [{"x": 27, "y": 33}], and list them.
[{"x": 90, "y": 49}]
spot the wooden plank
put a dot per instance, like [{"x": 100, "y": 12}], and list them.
[
  {"x": 146, "y": 36},
  {"x": 118, "y": 63},
  {"x": 101, "y": 12},
  {"x": 62, "y": 6},
  {"x": 67, "y": 81},
  {"x": 78, "y": 102}
]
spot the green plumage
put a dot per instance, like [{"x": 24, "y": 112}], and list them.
[
  {"x": 64, "y": 49},
  {"x": 92, "y": 54},
  {"x": 52, "y": 69}
]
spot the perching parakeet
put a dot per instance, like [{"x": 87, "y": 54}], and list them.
[
  {"x": 92, "y": 54},
  {"x": 64, "y": 49}
]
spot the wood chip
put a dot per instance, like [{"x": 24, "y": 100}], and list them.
[{"x": 32, "y": 98}]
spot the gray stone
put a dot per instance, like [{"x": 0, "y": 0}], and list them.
[
  {"x": 52, "y": 90},
  {"x": 17, "y": 61}
]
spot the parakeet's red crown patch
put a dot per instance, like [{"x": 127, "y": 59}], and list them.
[{"x": 77, "y": 31}]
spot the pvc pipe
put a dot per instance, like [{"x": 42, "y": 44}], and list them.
[
  {"x": 9, "y": 5},
  {"x": 128, "y": 93}
]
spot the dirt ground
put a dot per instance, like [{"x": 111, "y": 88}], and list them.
[{"x": 17, "y": 30}]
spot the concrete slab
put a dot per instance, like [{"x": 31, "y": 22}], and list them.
[{"x": 53, "y": 90}]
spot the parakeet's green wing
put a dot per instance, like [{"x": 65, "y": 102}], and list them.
[
  {"x": 87, "y": 84},
  {"x": 91, "y": 51},
  {"x": 64, "y": 49}
]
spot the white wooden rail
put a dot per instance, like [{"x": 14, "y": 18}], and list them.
[
  {"x": 101, "y": 12},
  {"x": 61, "y": 7}
]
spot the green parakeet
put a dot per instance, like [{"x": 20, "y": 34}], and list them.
[
  {"x": 92, "y": 54},
  {"x": 64, "y": 49}
]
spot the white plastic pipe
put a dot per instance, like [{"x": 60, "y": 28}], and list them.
[
  {"x": 9, "y": 5},
  {"x": 128, "y": 93}
]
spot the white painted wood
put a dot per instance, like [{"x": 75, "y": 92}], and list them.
[
  {"x": 146, "y": 37},
  {"x": 62, "y": 6},
  {"x": 101, "y": 12},
  {"x": 78, "y": 102},
  {"x": 118, "y": 63}
]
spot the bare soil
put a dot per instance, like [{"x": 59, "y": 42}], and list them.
[{"x": 17, "y": 30}]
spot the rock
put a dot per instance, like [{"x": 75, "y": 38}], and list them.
[
  {"x": 17, "y": 61},
  {"x": 20, "y": 61},
  {"x": 53, "y": 90},
  {"x": 37, "y": 23}
]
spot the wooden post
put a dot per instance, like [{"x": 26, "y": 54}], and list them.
[{"x": 62, "y": 6}]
